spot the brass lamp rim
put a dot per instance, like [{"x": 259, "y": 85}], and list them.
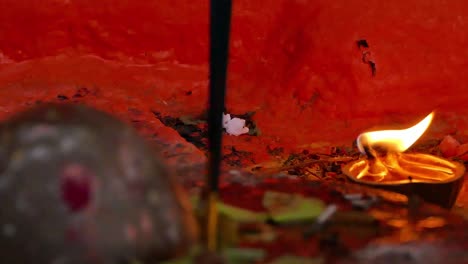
[
  {"x": 459, "y": 172},
  {"x": 443, "y": 193}
]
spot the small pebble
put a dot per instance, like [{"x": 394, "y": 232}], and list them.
[
  {"x": 327, "y": 213},
  {"x": 448, "y": 146},
  {"x": 364, "y": 203},
  {"x": 353, "y": 196},
  {"x": 462, "y": 151},
  {"x": 321, "y": 220}
]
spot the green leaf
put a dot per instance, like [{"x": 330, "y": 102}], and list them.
[
  {"x": 233, "y": 212},
  {"x": 243, "y": 255},
  {"x": 289, "y": 259},
  {"x": 240, "y": 214},
  {"x": 284, "y": 207},
  {"x": 182, "y": 260}
]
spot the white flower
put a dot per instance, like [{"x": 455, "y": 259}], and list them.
[
  {"x": 226, "y": 119},
  {"x": 234, "y": 126}
]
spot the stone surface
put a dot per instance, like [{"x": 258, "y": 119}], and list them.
[
  {"x": 79, "y": 186},
  {"x": 296, "y": 64}
]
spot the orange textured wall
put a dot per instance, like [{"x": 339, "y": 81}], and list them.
[{"x": 294, "y": 62}]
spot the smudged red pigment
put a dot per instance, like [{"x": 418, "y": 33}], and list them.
[
  {"x": 146, "y": 224},
  {"x": 294, "y": 63},
  {"x": 130, "y": 233},
  {"x": 76, "y": 186}
]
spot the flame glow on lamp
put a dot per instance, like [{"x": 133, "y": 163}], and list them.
[
  {"x": 394, "y": 140},
  {"x": 385, "y": 162},
  {"x": 392, "y": 165}
]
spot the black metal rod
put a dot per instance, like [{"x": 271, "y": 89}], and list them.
[{"x": 220, "y": 22}]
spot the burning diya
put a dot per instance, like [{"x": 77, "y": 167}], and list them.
[{"x": 386, "y": 165}]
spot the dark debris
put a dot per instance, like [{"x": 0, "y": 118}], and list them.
[
  {"x": 363, "y": 46},
  {"x": 237, "y": 158},
  {"x": 81, "y": 92},
  {"x": 319, "y": 167},
  {"x": 62, "y": 97},
  {"x": 362, "y": 43},
  {"x": 196, "y": 134},
  {"x": 275, "y": 151}
]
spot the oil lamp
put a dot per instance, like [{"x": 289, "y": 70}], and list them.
[{"x": 385, "y": 164}]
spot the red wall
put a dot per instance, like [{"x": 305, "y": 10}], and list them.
[{"x": 294, "y": 62}]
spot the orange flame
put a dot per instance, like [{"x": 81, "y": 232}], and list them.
[
  {"x": 394, "y": 165},
  {"x": 395, "y": 140}
]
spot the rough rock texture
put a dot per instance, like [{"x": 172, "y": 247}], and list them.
[{"x": 79, "y": 186}]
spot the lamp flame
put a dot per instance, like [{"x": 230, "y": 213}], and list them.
[
  {"x": 394, "y": 166},
  {"x": 394, "y": 140}
]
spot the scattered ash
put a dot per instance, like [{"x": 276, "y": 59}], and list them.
[
  {"x": 345, "y": 150},
  {"x": 316, "y": 166},
  {"x": 79, "y": 94},
  {"x": 277, "y": 151},
  {"x": 194, "y": 132},
  {"x": 237, "y": 158}
]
